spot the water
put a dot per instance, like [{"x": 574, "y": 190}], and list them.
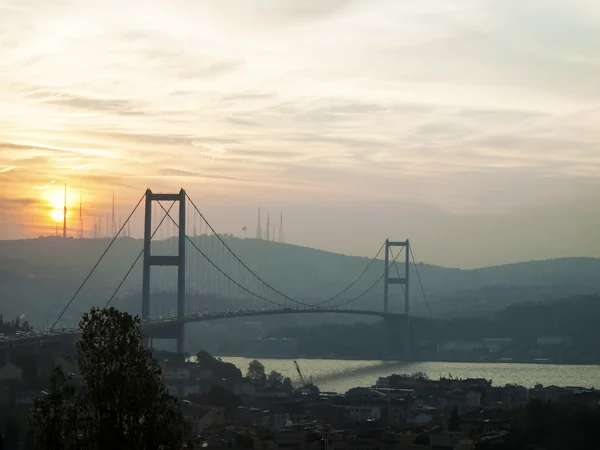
[{"x": 340, "y": 375}]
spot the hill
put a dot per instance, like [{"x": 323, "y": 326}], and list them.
[
  {"x": 38, "y": 277},
  {"x": 571, "y": 322}
]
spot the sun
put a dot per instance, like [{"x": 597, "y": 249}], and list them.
[
  {"x": 57, "y": 215},
  {"x": 54, "y": 198}
]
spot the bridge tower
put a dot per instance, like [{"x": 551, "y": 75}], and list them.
[
  {"x": 404, "y": 281},
  {"x": 176, "y": 332}
]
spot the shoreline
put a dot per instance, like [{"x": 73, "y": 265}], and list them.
[{"x": 337, "y": 358}]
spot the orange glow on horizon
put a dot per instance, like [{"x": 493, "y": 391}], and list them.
[{"x": 54, "y": 200}]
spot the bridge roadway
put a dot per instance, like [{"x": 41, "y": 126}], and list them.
[
  {"x": 167, "y": 322},
  {"x": 206, "y": 316}
]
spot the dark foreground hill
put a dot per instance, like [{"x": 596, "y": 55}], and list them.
[{"x": 38, "y": 277}]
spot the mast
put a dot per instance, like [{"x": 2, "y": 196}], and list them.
[
  {"x": 80, "y": 217},
  {"x": 258, "y": 229},
  {"x": 281, "y": 227},
  {"x": 113, "y": 223},
  {"x": 65, "y": 214},
  {"x": 268, "y": 236}
]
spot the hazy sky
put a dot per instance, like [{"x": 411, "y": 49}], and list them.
[{"x": 471, "y": 127}]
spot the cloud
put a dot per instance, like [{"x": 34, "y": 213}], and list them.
[
  {"x": 44, "y": 187},
  {"x": 7, "y": 168},
  {"x": 267, "y": 154},
  {"x": 453, "y": 105},
  {"x": 188, "y": 173},
  {"x": 7, "y": 202},
  {"x": 195, "y": 177},
  {"x": 81, "y": 167},
  {"x": 96, "y": 104}
]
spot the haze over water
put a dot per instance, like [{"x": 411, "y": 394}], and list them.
[{"x": 340, "y": 375}]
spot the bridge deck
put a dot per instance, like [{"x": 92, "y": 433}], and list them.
[
  {"x": 37, "y": 337},
  {"x": 202, "y": 317}
]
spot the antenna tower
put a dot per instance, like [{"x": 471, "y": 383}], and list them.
[
  {"x": 65, "y": 214},
  {"x": 281, "y": 238},
  {"x": 80, "y": 217},
  {"x": 113, "y": 229},
  {"x": 259, "y": 229},
  {"x": 268, "y": 236}
]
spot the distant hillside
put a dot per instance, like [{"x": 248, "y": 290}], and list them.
[{"x": 39, "y": 276}]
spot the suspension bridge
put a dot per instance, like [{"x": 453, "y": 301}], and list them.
[{"x": 213, "y": 283}]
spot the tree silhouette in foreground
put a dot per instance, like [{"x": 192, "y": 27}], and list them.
[
  {"x": 53, "y": 418},
  {"x": 122, "y": 404}
]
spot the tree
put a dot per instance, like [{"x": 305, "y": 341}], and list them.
[
  {"x": 124, "y": 391},
  {"x": 275, "y": 379},
  {"x": 51, "y": 417},
  {"x": 287, "y": 384},
  {"x": 12, "y": 433},
  {"x": 219, "y": 368},
  {"x": 256, "y": 371},
  {"x": 205, "y": 359},
  {"x": 123, "y": 402},
  {"x": 421, "y": 376}
]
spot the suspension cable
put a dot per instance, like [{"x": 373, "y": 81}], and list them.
[
  {"x": 286, "y": 297},
  {"x": 418, "y": 276},
  {"x": 97, "y": 262},
  {"x": 368, "y": 289},
  {"x": 355, "y": 281},
  {"x": 225, "y": 274},
  {"x": 231, "y": 279},
  {"x": 136, "y": 260},
  {"x": 420, "y": 282}
]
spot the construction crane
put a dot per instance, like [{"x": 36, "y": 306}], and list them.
[{"x": 300, "y": 373}]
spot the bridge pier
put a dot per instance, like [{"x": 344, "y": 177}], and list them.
[
  {"x": 171, "y": 331},
  {"x": 177, "y": 330},
  {"x": 180, "y": 337},
  {"x": 404, "y": 282},
  {"x": 386, "y": 340},
  {"x": 395, "y": 338}
]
